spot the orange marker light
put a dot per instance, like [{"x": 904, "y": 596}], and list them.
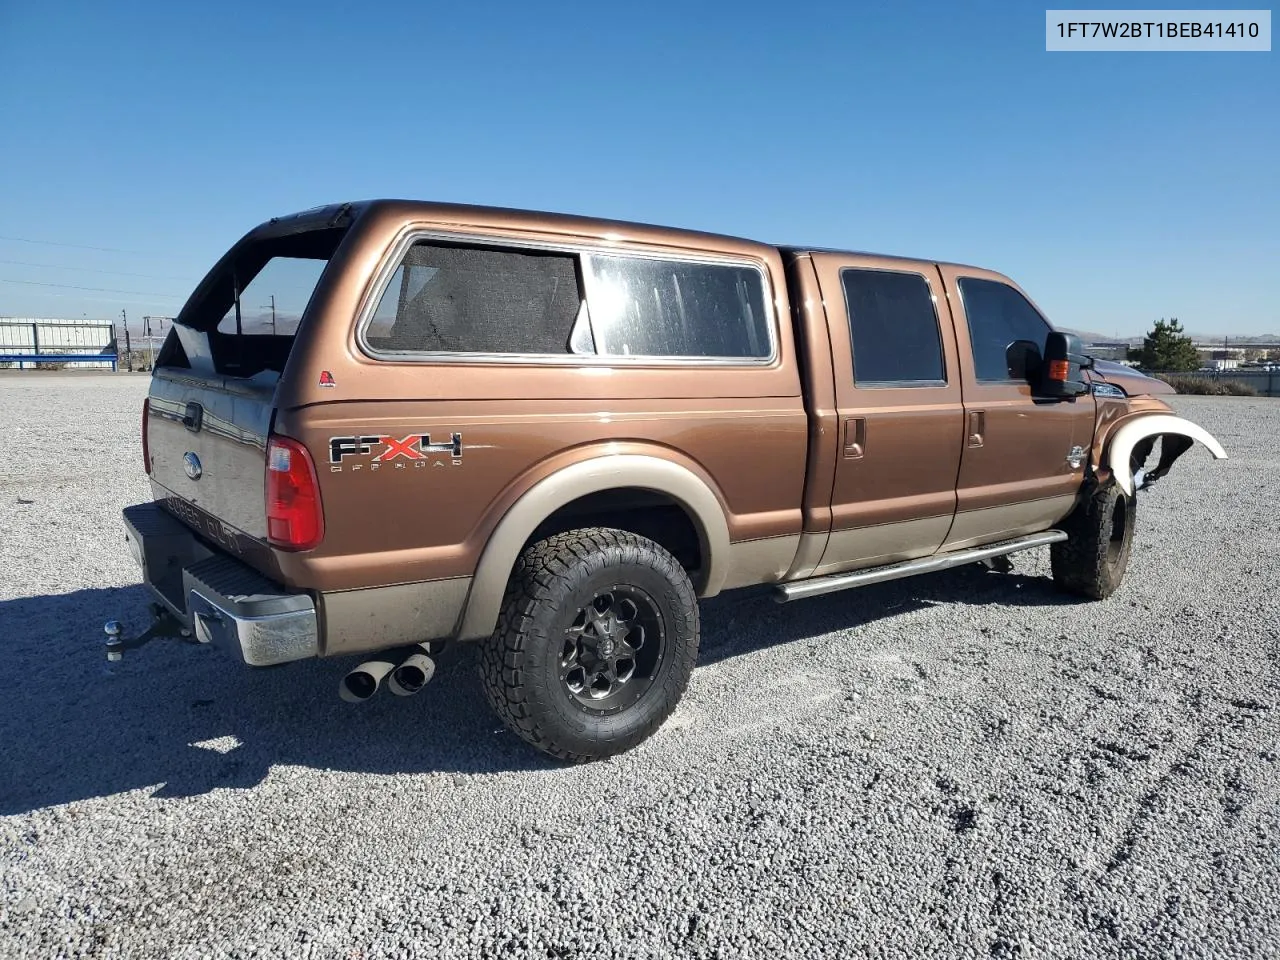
[{"x": 1059, "y": 369}]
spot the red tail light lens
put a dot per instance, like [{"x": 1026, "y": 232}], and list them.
[
  {"x": 295, "y": 519},
  {"x": 146, "y": 422}
]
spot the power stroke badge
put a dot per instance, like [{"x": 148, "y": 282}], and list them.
[{"x": 382, "y": 451}]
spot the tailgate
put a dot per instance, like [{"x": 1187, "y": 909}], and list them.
[
  {"x": 213, "y": 389},
  {"x": 207, "y": 441}
]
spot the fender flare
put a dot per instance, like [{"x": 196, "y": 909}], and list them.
[
  {"x": 607, "y": 472},
  {"x": 1120, "y": 449}
]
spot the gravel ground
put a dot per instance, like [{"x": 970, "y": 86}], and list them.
[{"x": 967, "y": 764}]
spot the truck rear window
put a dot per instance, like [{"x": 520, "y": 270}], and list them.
[{"x": 246, "y": 316}]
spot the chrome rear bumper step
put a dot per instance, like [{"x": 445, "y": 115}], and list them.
[{"x": 800, "y": 589}]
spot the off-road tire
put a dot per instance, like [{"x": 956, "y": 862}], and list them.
[
  {"x": 553, "y": 581},
  {"x": 1092, "y": 560}
]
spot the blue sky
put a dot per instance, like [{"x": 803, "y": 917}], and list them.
[{"x": 1117, "y": 188}]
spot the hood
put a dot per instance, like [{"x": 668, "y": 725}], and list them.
[{"x": 1129, "y": 380}]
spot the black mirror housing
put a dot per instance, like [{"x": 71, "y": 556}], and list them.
[
  {"x": 1023, "y": 359},
  {"x": 1062, "y": 372}
]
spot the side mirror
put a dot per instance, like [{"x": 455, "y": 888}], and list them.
[
  {"x": 1022, "y": 357},
  {"x": 1062, "y": 373}
]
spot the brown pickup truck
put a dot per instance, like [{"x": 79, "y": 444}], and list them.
[{"x": 552, "y": 435}]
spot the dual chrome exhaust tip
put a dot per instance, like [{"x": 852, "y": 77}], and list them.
[{"x": 403, "y": 679}]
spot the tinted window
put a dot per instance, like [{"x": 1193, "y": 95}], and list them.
[
  {"x": 893, "y": 326},
  {"x": 471, "y": 300},
  {"x": 666, "y": 308},
  {"x": 998, "y": 315}
]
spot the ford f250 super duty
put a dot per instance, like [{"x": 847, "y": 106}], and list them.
[{"x": 551, "y": 435}]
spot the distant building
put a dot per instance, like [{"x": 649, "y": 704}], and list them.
[{"x": 32, "y": 336}]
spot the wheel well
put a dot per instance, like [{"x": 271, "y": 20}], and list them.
[{"x": 647, "y": 513}]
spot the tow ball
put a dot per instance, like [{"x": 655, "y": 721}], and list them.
[{"x": 164, "y": 626}]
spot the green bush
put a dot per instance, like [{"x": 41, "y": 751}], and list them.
[{"x": 1207, "y": 387}]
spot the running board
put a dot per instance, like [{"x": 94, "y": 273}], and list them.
[{"x": 816, "y": 586}]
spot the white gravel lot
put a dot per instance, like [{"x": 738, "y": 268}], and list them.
[{"x": 968, "y": 764}]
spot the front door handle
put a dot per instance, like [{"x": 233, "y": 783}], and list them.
[
  {"x": 977, "y": 427},
  {"x": 855, "y": 437}
]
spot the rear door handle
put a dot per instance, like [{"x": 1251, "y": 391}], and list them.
[
  {"x": 855, "y": 437},
  {"x": 977, "y": 427}
]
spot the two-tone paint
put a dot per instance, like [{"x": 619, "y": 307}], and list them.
[{"x": 781, "y": 469}]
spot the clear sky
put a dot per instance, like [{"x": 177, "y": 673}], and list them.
[{"x": 1116, "y": 187}]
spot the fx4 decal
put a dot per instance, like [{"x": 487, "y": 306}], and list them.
[{"x": 399, "y": 453}]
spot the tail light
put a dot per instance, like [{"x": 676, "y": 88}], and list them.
[
  {"x": 295, "y": 519},
  {"x": 146, "y": 447}
]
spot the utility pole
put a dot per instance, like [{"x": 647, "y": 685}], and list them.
[
  {"x": 273, "y": 314},
  {"x": 151, "y": 344},
  {"x": 128, "y": 350}
]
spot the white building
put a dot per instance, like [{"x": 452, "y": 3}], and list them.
[{"x": 40, "y": 336}]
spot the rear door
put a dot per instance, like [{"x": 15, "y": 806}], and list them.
[
  {"x": 212, "y": 395},
  {"x": 900, "y": 412},
  {"x": 1023, "y": 457}
]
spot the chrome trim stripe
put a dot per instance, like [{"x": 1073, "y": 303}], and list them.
[{"x": 391, "y": 262}]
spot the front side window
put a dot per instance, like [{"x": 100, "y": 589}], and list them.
[
  {"x": 458, "y": 299},
  {"x": 998, "y": 315},
  {"x": 670, "y": 308},
  {"x": 894, "y": 329}
]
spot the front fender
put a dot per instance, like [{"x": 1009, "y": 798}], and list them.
[{"x": 1120, "y": 449}]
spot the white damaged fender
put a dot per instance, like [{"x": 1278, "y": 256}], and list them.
[{"x": 1120, "y": 449}]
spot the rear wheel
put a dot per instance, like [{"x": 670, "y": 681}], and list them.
[
  {"x": 596, "y": 643},
  {"x": 1092, "y": 560}
]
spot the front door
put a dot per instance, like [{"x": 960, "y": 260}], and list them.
[
  {"x": 1024, "y": 458},
  {"x": 898, "y": 397}
]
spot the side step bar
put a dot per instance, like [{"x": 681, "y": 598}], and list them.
[{"x": 816, "y": 586}]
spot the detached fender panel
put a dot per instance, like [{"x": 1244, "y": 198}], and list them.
[
  {"x": 1120, "y": 449},
  {"x": 577, "y": 480}
]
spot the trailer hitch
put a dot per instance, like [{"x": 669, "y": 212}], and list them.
[{"x": 164, "y": 625}]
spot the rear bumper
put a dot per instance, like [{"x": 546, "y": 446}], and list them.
[{"x": 224, "y": 602}]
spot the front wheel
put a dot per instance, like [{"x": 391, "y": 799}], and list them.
[
  {"x": 596, "y": 643},
  {"x": 1092, "y": 560}
]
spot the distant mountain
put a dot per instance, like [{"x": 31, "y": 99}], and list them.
[{"x": 1090, "y": 336}]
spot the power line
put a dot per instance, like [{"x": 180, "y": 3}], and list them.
[
  {"x": 78, "y": 246},
  {"x": 114, "y": 273},
  {"x": 72, "y": 286}
]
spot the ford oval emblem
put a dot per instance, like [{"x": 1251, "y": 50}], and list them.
[{"x": 191, "y": 464}]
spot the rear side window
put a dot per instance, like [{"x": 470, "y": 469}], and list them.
[
  {"x": 669, "y": 308},
  {"x": 457, "y": 299},
  {"x": 998, "y": 315},
  {"x": 894, "y": 329}
]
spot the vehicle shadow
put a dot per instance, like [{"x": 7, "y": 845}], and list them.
[
  {"x": 770, "y": 623},
  {"x": 180, "y": 720}
]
